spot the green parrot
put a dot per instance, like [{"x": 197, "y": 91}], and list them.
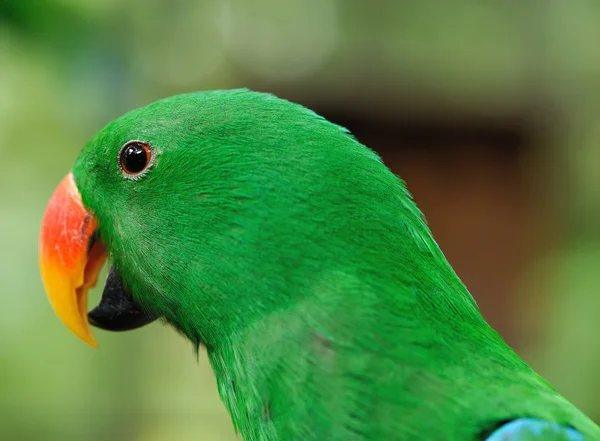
[{"x": 273, "y": 238}]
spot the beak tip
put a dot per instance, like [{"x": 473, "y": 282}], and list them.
[
  {"x": 89, "y": 339},
  {"x": 83, "y": 332}
]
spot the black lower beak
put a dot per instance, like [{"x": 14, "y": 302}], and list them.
[{"x": 117, "y": 311}]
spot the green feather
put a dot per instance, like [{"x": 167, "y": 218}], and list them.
[{"x": 288, "y": 249}]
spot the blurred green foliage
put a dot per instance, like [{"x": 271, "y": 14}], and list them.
[{"x": 69, "y": 66}]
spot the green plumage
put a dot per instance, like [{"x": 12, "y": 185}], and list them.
[{"x": 287, "y": 248}]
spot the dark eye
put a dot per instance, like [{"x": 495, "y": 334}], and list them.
[{"x": 134, "y": 158}]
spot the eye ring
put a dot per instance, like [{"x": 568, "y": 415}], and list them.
[{"x": 135, "y": 158}]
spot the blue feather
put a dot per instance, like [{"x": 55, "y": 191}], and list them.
[{"x": 529, "y": 429}]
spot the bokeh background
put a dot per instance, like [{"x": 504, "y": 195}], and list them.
[{"x": 489, "y": 110}]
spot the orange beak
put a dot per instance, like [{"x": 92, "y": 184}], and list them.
[{"x": 70, "y": 257}]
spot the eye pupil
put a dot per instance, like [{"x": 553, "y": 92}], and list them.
[{"x": 135, "y": 157}]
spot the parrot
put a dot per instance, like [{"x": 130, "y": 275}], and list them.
[{"x": 277, "y": 242}]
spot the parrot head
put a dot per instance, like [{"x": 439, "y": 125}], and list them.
[{"x": 210, "y": 206}]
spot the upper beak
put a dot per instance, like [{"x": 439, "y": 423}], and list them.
[{"x": 71, "y": 257}]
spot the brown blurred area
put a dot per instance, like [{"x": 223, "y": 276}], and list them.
[
  {"x": 489, "y": 112},
  {"x": 467, "y": 177}
]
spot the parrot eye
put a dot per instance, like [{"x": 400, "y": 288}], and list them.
[{"x": 134, "y": 158}]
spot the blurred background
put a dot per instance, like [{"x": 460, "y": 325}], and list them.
[{"x": 489, "y": 110}]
